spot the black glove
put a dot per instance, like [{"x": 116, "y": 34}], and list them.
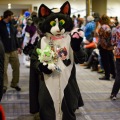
[
  {"x": 80, "y": 55},
  {"x": 44, "y": 69},
  {"x": 67, "y": 62},
  {"x": 75, "y": 43},
  {"x": 28, "y": 48}
]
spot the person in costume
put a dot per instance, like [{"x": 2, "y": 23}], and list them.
[
  {"x": 34, "y": 36},
  {"x": 25, "y": 36},
  {"x": 52, "y": 60},
  {"x": 31, "y": 36},
  {"x": 116, "y": 42}
]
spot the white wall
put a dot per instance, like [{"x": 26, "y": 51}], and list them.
[
  {"x": 113, "y": 8},
  {"x": 16, "y": 12},
  {"x": 1, "y": 12}
]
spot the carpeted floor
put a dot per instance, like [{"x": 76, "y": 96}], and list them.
[{"x": 95, "y": 94}]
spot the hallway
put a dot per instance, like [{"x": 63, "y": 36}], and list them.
[{"x": 95, "y": 94}]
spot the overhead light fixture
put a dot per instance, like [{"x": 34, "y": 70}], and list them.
[{"x": 9, "y": 6}]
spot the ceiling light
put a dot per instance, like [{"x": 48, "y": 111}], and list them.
[{"x": 9, "y": 6}]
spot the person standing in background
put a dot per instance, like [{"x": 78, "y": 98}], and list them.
[
  {"x": 2, "y": 52},
  {"x": 75, "y": 22},
  {"x": 106, "y": 48},
  {"x": 19, "y": 36},
  {"x": 116, "y": 42},
  {"x": 8, "y": 38},
  {"x": 80, "y": 21}
]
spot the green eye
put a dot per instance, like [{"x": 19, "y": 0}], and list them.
[
  {"x": 62, "y": 22},
  {"x": 52, "y": 23}
]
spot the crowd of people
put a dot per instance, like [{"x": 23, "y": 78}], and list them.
[{"x": 101, "y": 45}]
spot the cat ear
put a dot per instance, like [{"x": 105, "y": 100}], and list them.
[
  {"x": 65, "y": 8},
  {"x": 44, "y": 11}
]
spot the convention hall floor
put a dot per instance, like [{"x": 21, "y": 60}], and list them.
[{"x": 95, "y": 94}]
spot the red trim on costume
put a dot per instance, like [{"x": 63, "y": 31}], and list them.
[{"x": 2, "y": 117}]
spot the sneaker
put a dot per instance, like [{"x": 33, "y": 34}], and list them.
[
  {"x": 84, "y": 64},
  {"x": 104, "y": 78},
  {"x": 113, "y": 97},
  {"x": 94, "y": 69},
  {"x": 36, "y": 116},
  {"x": 101, "y": 71},
  {"x": 17, "y": 88},
  {"x": 87, "y": 67}
]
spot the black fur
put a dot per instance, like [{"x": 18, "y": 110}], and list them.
[
  {"x": 50, "y": 16},
  {"x": 45, "y": 27}
]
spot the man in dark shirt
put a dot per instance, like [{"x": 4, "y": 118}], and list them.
[{"x": 8, "y": 38}]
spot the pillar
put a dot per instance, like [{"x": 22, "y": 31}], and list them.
[{"x": 88, "y": 3}]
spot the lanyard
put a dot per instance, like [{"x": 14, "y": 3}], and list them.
[{"x": 8, "y": 29}]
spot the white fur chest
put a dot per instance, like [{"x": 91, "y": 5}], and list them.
[{"x": 62, "y": 43}]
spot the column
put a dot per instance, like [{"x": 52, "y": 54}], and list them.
[{"x": 88, "y": 7}]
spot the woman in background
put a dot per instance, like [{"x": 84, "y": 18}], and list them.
[{"x": 105, "y": 48}]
